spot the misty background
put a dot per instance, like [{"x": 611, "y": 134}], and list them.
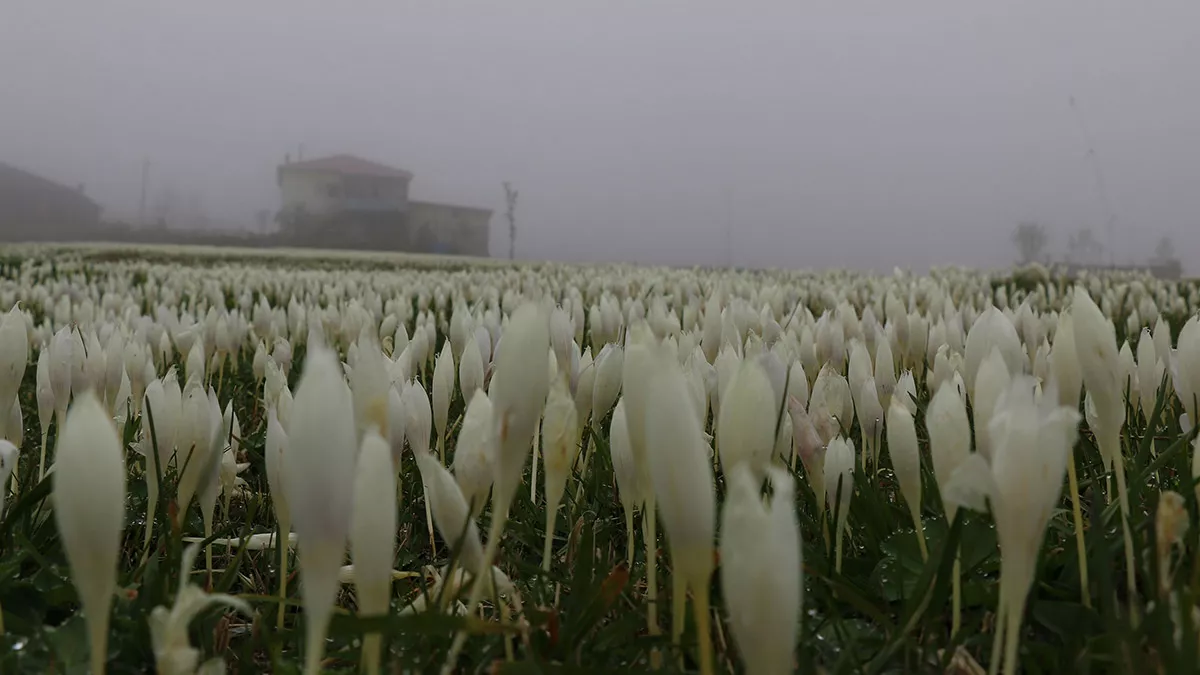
[{"x": 763, "y": 134}]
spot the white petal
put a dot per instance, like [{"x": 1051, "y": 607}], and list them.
[{"x": 971, "y": 484}]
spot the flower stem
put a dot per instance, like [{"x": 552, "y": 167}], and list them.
[
  {"x": 537, "y": 435},
  {"x": 678, "y": 609},
  {"x": 629, "y": 537},
  {"x": 916, "y": 516},
  {"x": 650, "y": 521},
  {"x": 703, "y": 630},
  {"x": 58, "y": 421},
  {"x": 1013, "y": 638},
  {"x": 1130, "y": 571},
  {"x": 151, "y": 501},
  {"x": 319, "y": 564},
  {"x": 956, "y": 586},
  {"x": 281, "y": 544},
  {"x": 429, "y": 523},
  {"x": 372, "y": 643},
  {"x": 585, "y": 457},
  {"x": 999, "y": 627},
  {"x": 824, "y": 526},
  {"x": 42, "y": 464},
  {"x": 98, "y": 629},
  {"x": 551, "y": 517},
  {"x": 207, "y": 516},
  {"x": 314, "y": 650},
  {"x": 1080, "y": 546},
  {"x": 499, "y": 519},
  {"x": 838, "y": 551},
  {"x": 505, "y": 616}
]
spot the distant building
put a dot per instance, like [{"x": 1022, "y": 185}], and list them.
[
  {"x": 342, "y": 183},
  {"x": 446, "y": 228},
  {"x": 345, "y": 201},
  {"x": 36, "y": 208}
]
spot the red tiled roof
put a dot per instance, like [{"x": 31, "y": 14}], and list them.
[{"x": 349, "y": 164}]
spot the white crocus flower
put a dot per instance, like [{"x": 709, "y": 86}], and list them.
[
  {"x": 560, "y": 448},
  {"x": 319, "y": 474},
  {"x": 761, "y": 561},
  {"x": 475, "y": 452},
  {"x": 906, "y": 461},
  {"x": 1099, "y": 359},
  {"x": 681, "y": 478},
  {"x": 443, "y": 392},
  {"x": 173, "y": 652},
  {"x": 373, "y": 537},
  {"x": 1023, "y": 480},
  {"x": 89, "y": 508},
  {"x": 839, "y": 486}
]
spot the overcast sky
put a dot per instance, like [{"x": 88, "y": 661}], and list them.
[{"x": 864, "y": 134}]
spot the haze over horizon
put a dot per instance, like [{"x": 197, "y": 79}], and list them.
[{"x": 910, "y": 135}]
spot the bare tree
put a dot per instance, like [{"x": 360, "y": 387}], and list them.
[
  {"x": 1165, "y": 264},
  {"x": 510, "y": 200},
  {"x": 1083, "y": 247},
  {"x": 1030, "y": 239},
  {"x": 1165, "y": 249}
]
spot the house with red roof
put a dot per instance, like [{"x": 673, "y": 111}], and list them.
[{"x": 348, "y": 200}]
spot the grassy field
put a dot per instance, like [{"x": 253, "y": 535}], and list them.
[{"x": 887, "y": 609}]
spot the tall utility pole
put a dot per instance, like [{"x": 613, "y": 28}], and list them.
[
  {"x": 510, "y": 200},
  {"x": 142, "y": 204},
  {"x": 1101, "y": 185}
]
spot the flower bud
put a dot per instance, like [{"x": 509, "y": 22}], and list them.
[
  {"x": 761, "y": 559},
  {"x": 89, "y": 508},
  {"x": 746, "y": 428}
]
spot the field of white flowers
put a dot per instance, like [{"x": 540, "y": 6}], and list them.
[{"x": 482, "y": 467}]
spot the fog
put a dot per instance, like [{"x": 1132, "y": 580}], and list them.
[{"x": 787, "y": 134}]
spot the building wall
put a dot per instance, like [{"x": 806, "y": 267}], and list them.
[
  {"x": 307, "y": 191},
  {"x": 374, "y": 193},
  {"x": 323, "y": 193},
  {"x": 446, "y": 228}
]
